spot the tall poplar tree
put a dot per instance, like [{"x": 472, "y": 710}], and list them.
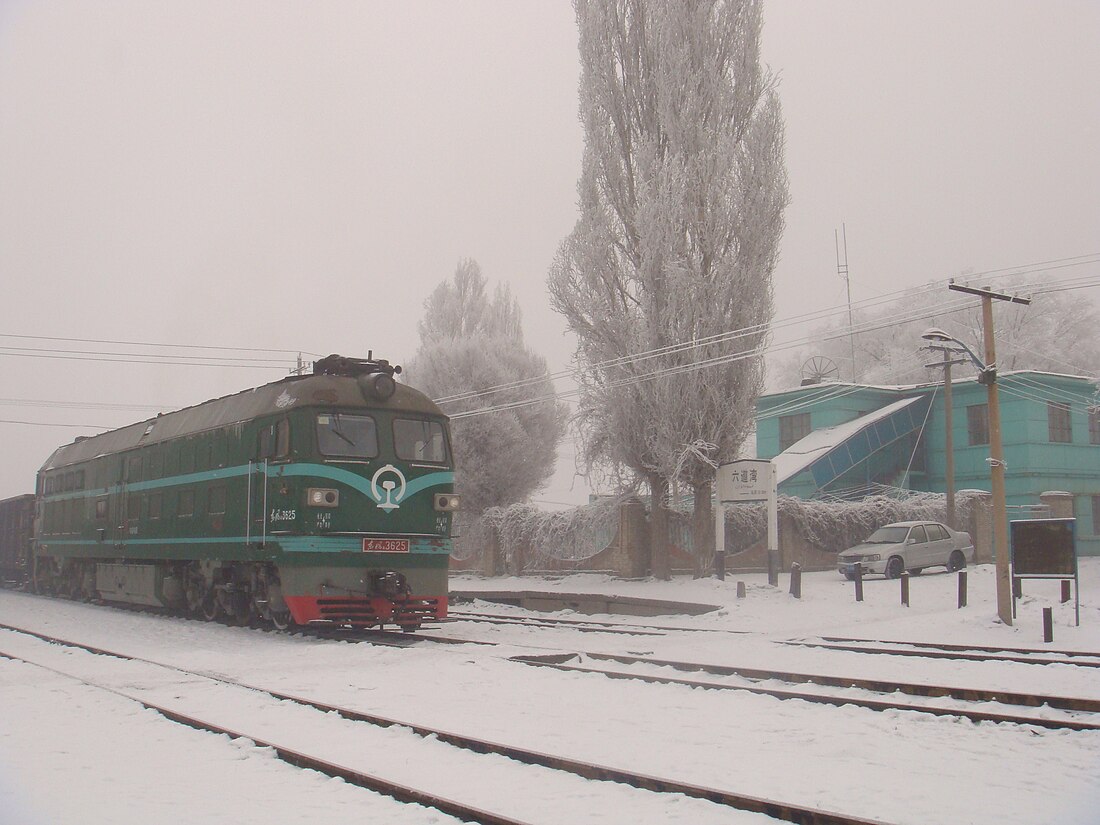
[{"x": 682, "y": 193}]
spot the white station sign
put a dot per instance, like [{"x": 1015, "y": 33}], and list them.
[{"x": 749, "y": 479}]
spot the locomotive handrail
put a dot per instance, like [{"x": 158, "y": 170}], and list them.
[
  {"x": 252, "y": 466},
  {"x": 263, "y": 540},
  {"x": 248, "y": 508}
]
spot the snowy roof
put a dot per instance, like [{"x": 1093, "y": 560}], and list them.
[
  {"x": 850, "y": 386},
  {"x": 818, "y": 443}
]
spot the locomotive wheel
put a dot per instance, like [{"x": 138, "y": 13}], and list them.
[
  {"x": 210, "y": 607},
  {"x": 281, "y": 619}
]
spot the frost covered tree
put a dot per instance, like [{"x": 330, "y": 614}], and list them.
[
  {"x": 1057, "y": 332},
  {"x": 682, "y": 193},
  {"x": 469, "y": 343}
]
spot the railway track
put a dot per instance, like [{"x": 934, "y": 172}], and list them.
[
  {"x": 931, "y": 650},
  {"x": 782, "y": 811},
  {"x": 582, "y": 625},
  {"x": 754, "y": 677}
]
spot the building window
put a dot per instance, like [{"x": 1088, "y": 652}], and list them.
[
  {"x": 1058, "y": 424},
  {"x": 977, "y": 424},
  {"x": 793, "y": 428},
  {"x": 1094, "y": 426}
]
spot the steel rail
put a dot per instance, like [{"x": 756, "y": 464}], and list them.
[
  {"x": 935, "y": 653},
  {"x": 560, "y": 662},
  {"x": 532, "y": 621},
  {"x": 787, "y": 812},
  {"x": 984, "y": 648},
  {"x": 462, "y": 615},
  {"x": 873, "y": 685}
]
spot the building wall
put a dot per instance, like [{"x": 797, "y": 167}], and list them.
[{"x": 1034, "y": 464}]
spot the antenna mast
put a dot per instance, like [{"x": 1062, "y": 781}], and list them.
[{"x": 842, "y": 271}]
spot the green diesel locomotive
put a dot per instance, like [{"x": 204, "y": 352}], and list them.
[{"x": 318, "y": 498}]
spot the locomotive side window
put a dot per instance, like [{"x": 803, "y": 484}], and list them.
[
  {"x": 275, "y": 440},
  {"x": 415, "y": 440},
  {"x": 187, "y": 459},
  {"x": 101, "y": 508},
  {"x": 155, "y": 505},
  {"x": 187, "y": 503},
  {"x": 217, "y": 499},
  {"x": 282, "y": 439},
  {"x": 347, "y": 436}
]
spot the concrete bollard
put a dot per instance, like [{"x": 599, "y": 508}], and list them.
[
  {"x": 796, "y": 580},
  {"x": 1017, "y": 587},
  {"x": 740, "y": 590},
  {"x": 859, "y": 584},
  {"x": 905, "y": 588},
  {"x": 1048, "y": 624},
  {"x": 1065, "y": 590},
  {"x": 962, "y": 589}
]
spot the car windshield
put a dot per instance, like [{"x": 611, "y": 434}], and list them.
[{"x": 888, "y": 535}]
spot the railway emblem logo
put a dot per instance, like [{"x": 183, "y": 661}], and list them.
[{"x": 390, "y": 490}]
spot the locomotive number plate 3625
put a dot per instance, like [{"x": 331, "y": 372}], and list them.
[{"x": 385, "y": 545}]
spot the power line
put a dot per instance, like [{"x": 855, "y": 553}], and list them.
[
  {"x": 897, "y": 318},
  {"x": 154, "y": 344},
  {"x": 151, "y": 359},
  {"x": 10, "y": 350},
  {"x": 44, "y": 424},
  {"x": 1078, "y": 260},
  {"x": 81, "y": 405}
]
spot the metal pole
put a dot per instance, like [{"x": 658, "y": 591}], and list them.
[
  {"x": 719, "y": 534},
  {"x": 997, "y": 471},
  {"x": 949, "y": 439}
]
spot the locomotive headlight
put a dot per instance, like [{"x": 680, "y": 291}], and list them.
[
  {"x": 378, "y": 385},
  {"x": 446, "y": 502},
  {"x": 322, "y": 497}
]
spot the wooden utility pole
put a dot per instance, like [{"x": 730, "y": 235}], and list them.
[{"x": 988, "y": 376}]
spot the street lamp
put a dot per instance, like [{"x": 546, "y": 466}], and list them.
[
  {"x": 987, "y": 374},
  {"x": 949, "y": 360}
]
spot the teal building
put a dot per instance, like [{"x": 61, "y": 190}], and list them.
[{"x": 847, "y": 440}]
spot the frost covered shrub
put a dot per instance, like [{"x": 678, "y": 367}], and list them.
[
  {"x": 832, "y": 526},
  {"x": 542, "y": 537}
]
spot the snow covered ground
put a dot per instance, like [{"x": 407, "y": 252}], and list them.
[{"x": 73, "y": 753}]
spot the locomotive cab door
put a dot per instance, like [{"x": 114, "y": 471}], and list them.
[{"x": 272, "y": 446}]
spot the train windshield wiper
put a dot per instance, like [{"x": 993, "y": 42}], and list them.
[{"x": 335, "y": 429}]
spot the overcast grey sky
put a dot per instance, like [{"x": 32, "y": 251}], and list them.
[{"x": 299, "y": 176}]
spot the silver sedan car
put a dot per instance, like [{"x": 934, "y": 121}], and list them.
[{"x": 907, "y": 545}]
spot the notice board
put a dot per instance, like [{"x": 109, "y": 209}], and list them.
[{"x": 1044, "y": 547}]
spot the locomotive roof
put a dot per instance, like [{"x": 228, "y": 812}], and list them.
[{"x": 269, "y": 399}]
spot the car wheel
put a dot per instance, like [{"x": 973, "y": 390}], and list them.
[
  {"x": 956, "y": 562},
  {"x": 894, "y": 567}
]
